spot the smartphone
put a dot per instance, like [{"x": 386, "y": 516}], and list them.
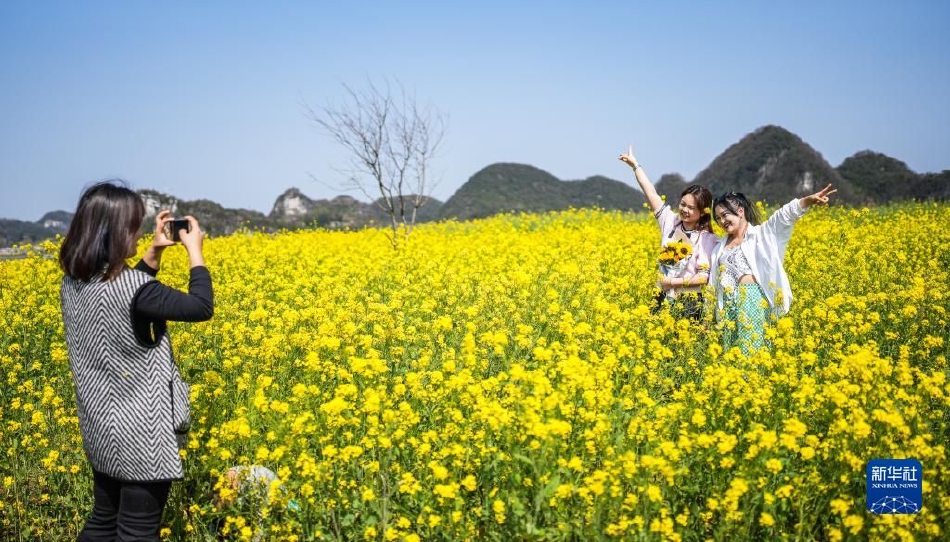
[{"x": 175, "y": 225}]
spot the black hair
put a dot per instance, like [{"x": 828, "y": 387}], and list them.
[
  {"x": 733, "y": 201},
  {"x": 107, "y": 221}
]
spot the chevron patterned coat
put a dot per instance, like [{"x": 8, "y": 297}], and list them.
[{"x": 123, "y": 388}]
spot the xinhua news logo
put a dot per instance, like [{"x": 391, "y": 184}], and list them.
[{"x": 895, "y": 486}]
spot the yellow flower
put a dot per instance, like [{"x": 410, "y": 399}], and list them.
[
  {"x": 494, "y": 359},
  {"x": 446, "y": 491},
  {"x": 654, "y": 494},
  {"x": 498, "y": 508},
  {"x": 853, "y": 523}
]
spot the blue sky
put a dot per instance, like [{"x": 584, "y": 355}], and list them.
[{"x": 204, "y": 99}]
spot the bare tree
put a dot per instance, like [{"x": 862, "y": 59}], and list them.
[{"x": 391, "y": 140}]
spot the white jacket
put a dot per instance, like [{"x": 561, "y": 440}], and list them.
[{"x": 764, "y": 248}]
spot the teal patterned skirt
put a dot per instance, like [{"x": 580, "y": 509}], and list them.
[{"x": 745, "y": 314}]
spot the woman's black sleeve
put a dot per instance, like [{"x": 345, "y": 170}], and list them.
[{"x": 157, "y": 302}]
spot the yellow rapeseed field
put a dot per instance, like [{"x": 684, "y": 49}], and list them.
[{"x": 504, "y": 379}]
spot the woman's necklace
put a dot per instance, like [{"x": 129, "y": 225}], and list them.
[{"x": 689, "y": 233}]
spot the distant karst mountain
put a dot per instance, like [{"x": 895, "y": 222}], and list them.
[
  {"x": 770, "y": 164},
  {"x": 518, "y": 187},
  {"x": 671, "y": 185},
  {"x": 214, "y": 218},
  {"x": 774, "y": 165},
  {"x": 879, "y": 178},
  {"x": 18, "y": 232},
  {"x": 294, "y": 208}
]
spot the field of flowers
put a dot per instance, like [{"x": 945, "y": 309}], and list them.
[{"x": 504, "y": 379}]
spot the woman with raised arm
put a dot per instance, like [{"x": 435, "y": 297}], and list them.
[
  {"x": 130, "y": 398},
  {"x": 748, "y": 274},
  {"x": 686, "y": 239}
]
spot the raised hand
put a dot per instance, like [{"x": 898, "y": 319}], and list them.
[
  {"x": 193, "y": 239},
  {"x": 629, "y": 159},
  {"x": 161, "y": 240},
  {"x": 818, "y": 198}
]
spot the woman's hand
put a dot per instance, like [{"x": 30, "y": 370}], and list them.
[
  {"x": 160, "y": 240},
  {"x": 192, "y": 241},
  {"x": 818, "y": 198},
  {"x": 653, "y": 199},
  {"x": 629, "y": 159}
]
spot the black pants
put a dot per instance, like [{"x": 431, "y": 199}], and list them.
[{"x": 125, "y": 510}]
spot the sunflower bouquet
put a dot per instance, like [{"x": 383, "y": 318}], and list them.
[{"x": 674, "y": 253}]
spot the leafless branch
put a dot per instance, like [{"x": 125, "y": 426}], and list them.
[{"x": 391, "y": 141}]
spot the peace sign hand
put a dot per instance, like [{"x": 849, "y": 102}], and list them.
[
  {"x": 629, "y": 159},
  {"x": 818, "y": 198}
]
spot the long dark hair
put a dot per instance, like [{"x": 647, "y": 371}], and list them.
[
  {"x": 703, "y": 200},
  {"x": 107, "y": 220},
  {"x": 733, "y": 201}
]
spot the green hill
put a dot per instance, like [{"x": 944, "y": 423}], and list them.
[
  {"x": 671, "y": 185},
  {"x": 18, "y": 232},
  {"x": 219, "y": 220},
  {"x": 506, "y": 187},
  {"x": 428, "y": 212},
  {"x": 774, "y": 165},
  {"x": 599, "y": 191},
  {"x": 934, "y": 185},
  {"x": 770, "y": 164},
  {"x": 214, "y": 218},
  {"x": 880, "y": 179}
]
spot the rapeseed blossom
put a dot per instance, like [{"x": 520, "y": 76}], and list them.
[{"x": 506, "y": 378}]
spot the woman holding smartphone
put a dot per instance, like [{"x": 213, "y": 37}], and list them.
[
  {"x": 682, "y": 285},
  {"x": 130, "y": 397}
]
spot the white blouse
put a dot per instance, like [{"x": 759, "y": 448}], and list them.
[{"x": 764, "y": 249}]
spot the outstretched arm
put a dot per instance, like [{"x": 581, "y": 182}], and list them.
[
  {"x": 781, "y": 222},
  {"x": 653, "y": 199}
]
